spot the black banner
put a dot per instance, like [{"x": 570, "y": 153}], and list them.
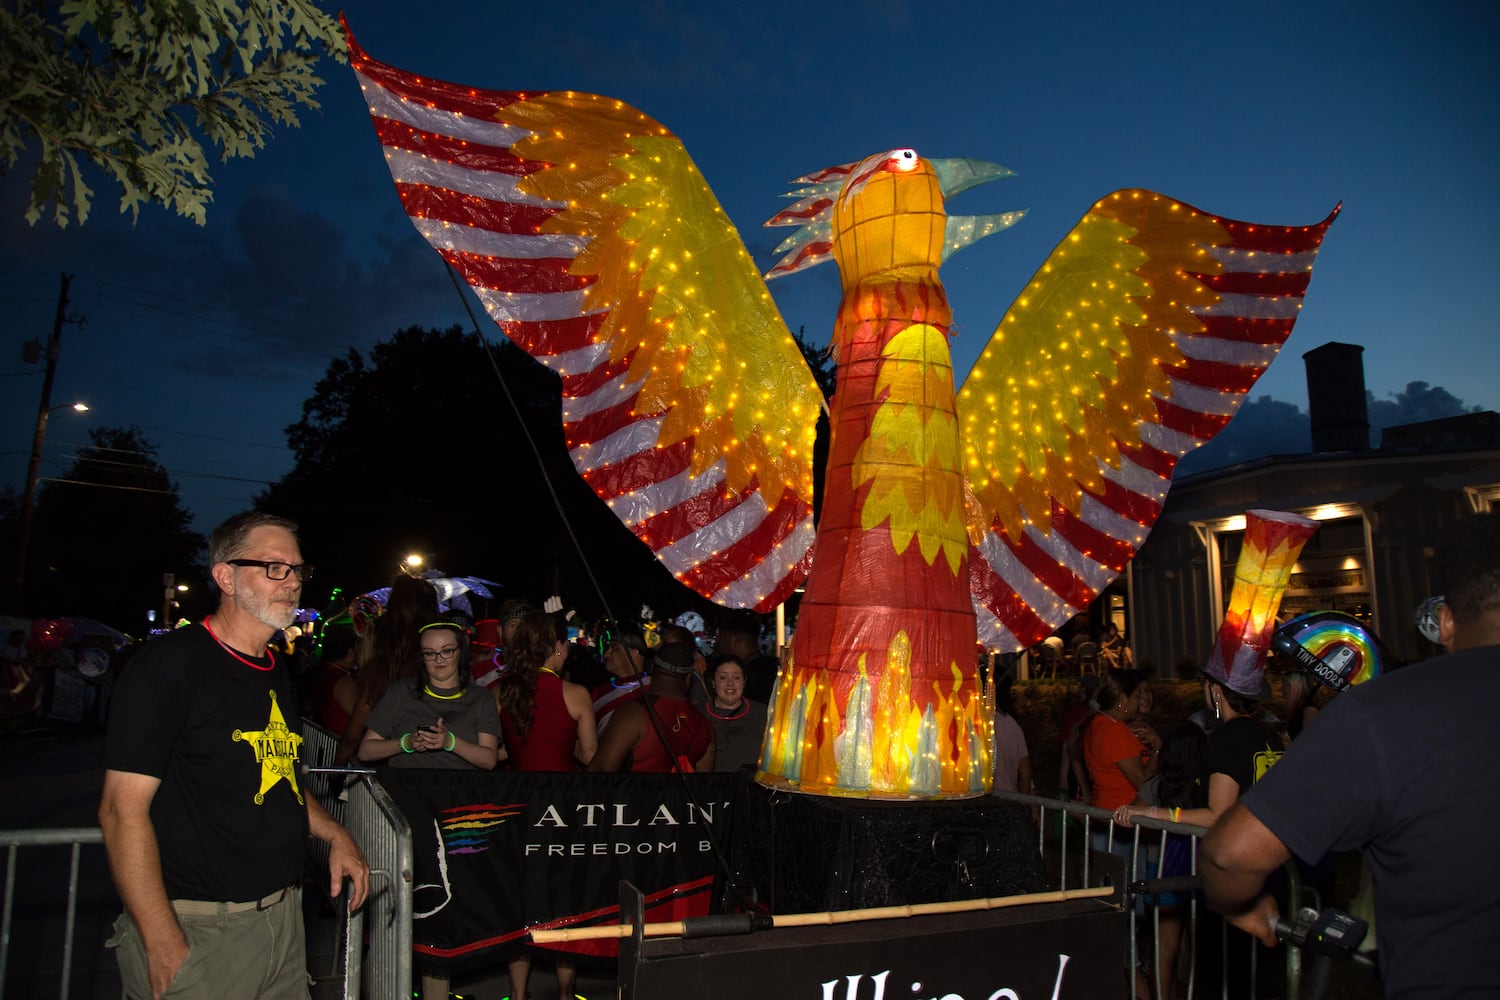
[
  {"x": 1042, "y": 951},
  {"x": 499, "y": 854}
]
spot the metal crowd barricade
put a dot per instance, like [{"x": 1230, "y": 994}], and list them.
[
  {"x": 319, "y": 746},
  {"x": 1131, "y": 853},
  {"x": 13, "y": 841},
  {"x": 378, "y": 963},
  {"x": 385, "y": 837}
]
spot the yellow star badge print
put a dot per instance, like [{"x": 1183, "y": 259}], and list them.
[{"x": 277, "y": 749}]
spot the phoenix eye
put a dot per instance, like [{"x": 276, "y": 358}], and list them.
[{"x": 905, "y": 159}]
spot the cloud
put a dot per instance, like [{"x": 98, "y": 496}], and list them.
[
  {"x": 1414, "y": 404},
  {"x": 893, "y": 14},
  {"x": 1267, "y": 426},
  {"x": 1263, "y": 426},
  {"x": 266, "y": 289},
  {"x": 289, "y": 278}
]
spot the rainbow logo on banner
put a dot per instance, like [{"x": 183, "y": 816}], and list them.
[{"x": 467, "y": 829}]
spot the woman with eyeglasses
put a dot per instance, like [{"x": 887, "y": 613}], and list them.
[
  {"x": 436, "y": 719},
  {"x": 389, "y": 652}
]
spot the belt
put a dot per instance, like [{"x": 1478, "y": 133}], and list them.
[{"x": 210, "y": 908}]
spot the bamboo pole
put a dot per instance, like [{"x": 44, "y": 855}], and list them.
[{"x": 668, "y": 928}]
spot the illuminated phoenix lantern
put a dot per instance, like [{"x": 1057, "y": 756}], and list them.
[{"x": 951, "y": 520}]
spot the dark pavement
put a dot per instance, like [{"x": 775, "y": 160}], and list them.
[{"x": 51, "y": 780}]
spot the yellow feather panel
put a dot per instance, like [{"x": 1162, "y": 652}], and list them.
[
  {"x": 684, "y": 301},
  {"x": 1072, "y": 368}
]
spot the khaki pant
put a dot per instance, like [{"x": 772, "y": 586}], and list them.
[{"x": 235, "y": 952}]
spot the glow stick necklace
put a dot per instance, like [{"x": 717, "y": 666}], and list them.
[{"x": 235, "y": 653}]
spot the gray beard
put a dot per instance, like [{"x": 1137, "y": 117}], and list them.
[{"x": 264, "y": 613}]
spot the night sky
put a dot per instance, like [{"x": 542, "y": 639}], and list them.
[{"x": 210, "y": 338}]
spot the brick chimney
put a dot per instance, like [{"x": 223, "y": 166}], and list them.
[{"x": 1336, "y": 397}]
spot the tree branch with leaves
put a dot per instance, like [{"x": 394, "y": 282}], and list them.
[{"x": 139, "y": 88}]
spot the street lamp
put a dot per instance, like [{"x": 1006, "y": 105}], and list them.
[
  {"x": 169, "y": 598},
  {"x": 28, "y": 500}
]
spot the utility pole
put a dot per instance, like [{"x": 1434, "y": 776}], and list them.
[{"x": 28, "y": 502}]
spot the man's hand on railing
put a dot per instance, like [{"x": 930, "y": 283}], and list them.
[
  {"x": 346, "y": 863},
  {"x": 1259, "y": 921}
]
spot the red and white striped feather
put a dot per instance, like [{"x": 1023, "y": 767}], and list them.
[
  {"x": 1024, "y": 588},
  {"x": 459, "y": 178}
]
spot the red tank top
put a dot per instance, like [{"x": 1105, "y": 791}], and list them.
[
  {"x": 548, "y": 746},
  {"x": 687, "y": 731}
]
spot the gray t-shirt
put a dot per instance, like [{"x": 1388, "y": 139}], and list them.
[{"x": 407, "y": 707}]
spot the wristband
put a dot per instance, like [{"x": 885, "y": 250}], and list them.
[
  {"x": 402, "y": 742},
  {"x": 452, "y": 741},
  {"x": 1177, "y": 815}
]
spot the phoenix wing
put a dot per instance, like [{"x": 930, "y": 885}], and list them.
[
  {"x": 1135, "y": 343},
  {"x": 595, "y": 244}
]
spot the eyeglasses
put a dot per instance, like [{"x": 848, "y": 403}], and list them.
[
  {"x": 276, "y": 570},
  {"x": 446, "y": 653}
]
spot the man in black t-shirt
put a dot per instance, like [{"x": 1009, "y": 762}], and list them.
[
  {"x": 1401, "y": 767},
  {"x": 203, "y": 817}
]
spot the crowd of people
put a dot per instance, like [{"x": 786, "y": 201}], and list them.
[
  {"x": 416, "y": 687},
  {"x": 1114, "y": 757},
  {"x": 186, "y": 825},
  {"x": 634, "y": 701},
  {"x": 424, "y": 688},
  {"x": 1383, "y": 768}
]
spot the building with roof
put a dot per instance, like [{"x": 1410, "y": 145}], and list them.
[{"x": 1381, "y": 511}]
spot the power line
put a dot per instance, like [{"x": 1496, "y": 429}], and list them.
[
  {"x": 170, "y": 473},
  {"x": 201, "y": 326},
  {"x": 104, "y": 486},
  {"x": 212, "y": 437},
  {"x": 227, "y": 479},
  {"x": 181, "y": 433},
  {"x": 215, "y": 319},
  {"x": 211, "y": 311}
]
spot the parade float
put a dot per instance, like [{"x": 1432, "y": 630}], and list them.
[{"x": 954, "y": 519}]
